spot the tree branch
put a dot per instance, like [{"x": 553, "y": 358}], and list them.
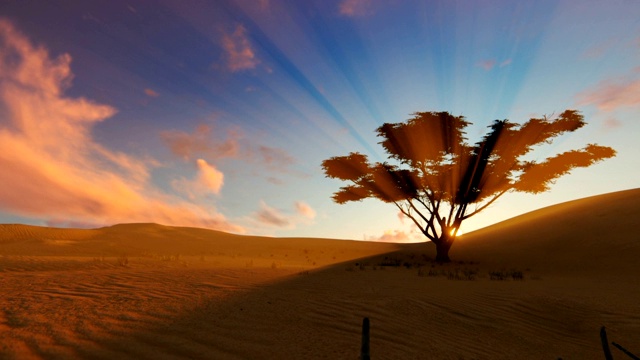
[
  {"x": 487, "y": 204},
  {"x": 408, "y": 214}
]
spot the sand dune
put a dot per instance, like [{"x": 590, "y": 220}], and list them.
[{"x": 155, "y": 292}]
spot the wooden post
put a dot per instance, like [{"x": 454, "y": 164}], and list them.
[
  {"x": 605, "y": 344},
  {"x": 364, "y": 348}
]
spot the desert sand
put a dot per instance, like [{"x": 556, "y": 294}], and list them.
[{"x": 146, "y": 291}]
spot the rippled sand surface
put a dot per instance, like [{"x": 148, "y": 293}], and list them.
[{"x": 145, "y": 291}]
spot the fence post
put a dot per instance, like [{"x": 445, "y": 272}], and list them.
[
  {"x": 364, "y": 347},
  {"x": 605, "y": 344}
]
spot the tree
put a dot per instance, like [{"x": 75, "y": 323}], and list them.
[{"x": 438, "y": 180}]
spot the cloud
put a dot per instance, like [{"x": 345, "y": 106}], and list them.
[
  {"x": 201, "y": 143},
  {"x": 271, "y": 216},
  {"x": 355, "y": 8},
  {"x": 611, "y": 123},
  {"x": 305, "y": 210},
  {"x": 263, "y": 4},
  {"x": 487, "y": 64},
  {"x": 209, "y": 180},
  {"x": 151, "y": 93},
  {"x": 301, "y": 213},
  {"x": 240, "y": 55},
  {"x": 274, "y": 158},
  {"x": 209, "y": 177},
  {"x": 53, "y": 170},
  {"x": 609, "y": 95},
  {"x": 506, "y": 62},
  {"x": 394, "y": 236}
]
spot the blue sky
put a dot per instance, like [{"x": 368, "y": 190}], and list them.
[{"x": 219, "y": 113}]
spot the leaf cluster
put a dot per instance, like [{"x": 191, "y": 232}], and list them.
[{"x": 436, "y": 164}]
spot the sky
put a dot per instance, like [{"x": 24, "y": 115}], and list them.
[{"x": 218, "y": 114}]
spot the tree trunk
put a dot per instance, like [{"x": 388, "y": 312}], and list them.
[{"x": 442, "y": 249}]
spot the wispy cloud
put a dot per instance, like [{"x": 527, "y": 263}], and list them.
[
  {"x": 151, "y": 93},
  {"x": 273, "y": 158},
  {"x": 394, "y": 236},
  {"x": 271, "y": 216},
  {"x": 239, "y": 52},
  {"x": 301, "y": 213},
  {"x": 611, "y": 123},
  {"x": 202, "y": 142},
  {"x": 305, "y": 210},
  {"x": 487, "y": 64},
  {"x": 610, "y": 95},
  {"x": 355, "y": 8},
  {"x": 52, "y": 168}
]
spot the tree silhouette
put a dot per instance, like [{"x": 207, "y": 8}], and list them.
[{"x": 438, "y": 180}]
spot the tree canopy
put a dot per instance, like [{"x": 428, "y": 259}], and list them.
[{"x": 438, "y": 180}]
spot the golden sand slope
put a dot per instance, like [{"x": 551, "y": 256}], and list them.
[{"x": 155, "y": 292}]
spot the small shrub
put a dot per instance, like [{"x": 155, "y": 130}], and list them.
[
  {"x": 350, "y": 268},
  {"x": 517, "y": 275},
  {"x": 504, "y": 275},
  {"x": 454, "y": 275},
  {"x": 388, "y": 261},
  {"x": 123, "y": 260},
  {"x": 470, "y": 274}
]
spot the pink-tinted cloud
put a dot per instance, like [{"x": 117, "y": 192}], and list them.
[
  {"x": 355, "y": 8},
  {"x": 598, "y": 50},
  {"x": 305, "y": 210},
  {"x": 209, "y": 180},
  {"x": 274, "y": 158},
  {"x": 201, "y": 143},
  {"x": 611, "y": 123},
  {"x": 610, "y": 95},
  {"x": 263, "y": 4},
  {"x": 151, "y": 93},
  {"x": 394, "y": 236},
  {"x": 487, "y": 64},
  {"x": 271, "y": 216},
  {"x": 52, "y": 169},
  {"x": 210, "y": 177},
  {"x": 239, "y": 52}
]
